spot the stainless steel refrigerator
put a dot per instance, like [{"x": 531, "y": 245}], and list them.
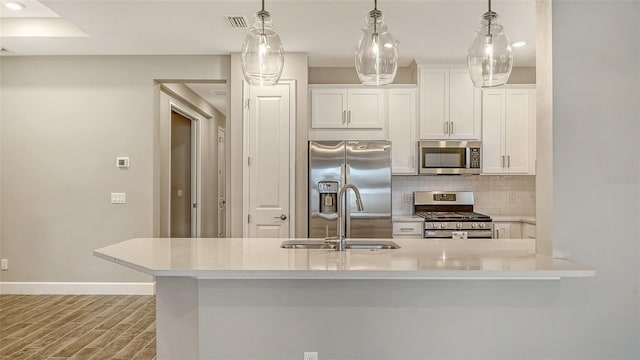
[{"x": 367, "y": 165}]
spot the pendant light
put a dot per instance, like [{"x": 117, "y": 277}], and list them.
[
  {"x": 376, "y": 54},
  {"x": 490, "y": 58},
  {"x": 262, "y": 55}
]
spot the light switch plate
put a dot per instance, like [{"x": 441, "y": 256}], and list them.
[
  {"x": 4, "y": 264},
  {"x": 118, "y": 198},
  {"x": 122, "y": 162},
  {"x": 310, "y": 356}
]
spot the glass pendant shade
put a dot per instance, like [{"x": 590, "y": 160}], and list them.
[
  {"x": 262, "y": 55},
  {"x": 490, "y": 58},
  {"x": 376, "y": 54}
]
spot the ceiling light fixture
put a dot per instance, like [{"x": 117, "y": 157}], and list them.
[
  {"x": 490, "y": 58},
  {"x": 262, "y": 56},
  {"x": 14, "y": 5},
  {"x": 519, "y": 44},
  {"x": 376, "y": 54}
]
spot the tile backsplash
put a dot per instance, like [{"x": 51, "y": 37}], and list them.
[{"x": 494, "y": 195}]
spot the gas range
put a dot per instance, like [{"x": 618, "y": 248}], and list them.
[{"x": 450, "y": 215}]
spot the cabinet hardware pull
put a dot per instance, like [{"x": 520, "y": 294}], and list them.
[
  {"x": 349, "y": 117},
  {"x": 508, "y": 160},
  {"x": 451, "y": 131},
  {"x": 497, "y": 233},
  {"x": 445, "y": 127},
  {"x": 406, "y": 229},
  {"x": 502, "y": 160},
  {"x": 344, "y": 116}
]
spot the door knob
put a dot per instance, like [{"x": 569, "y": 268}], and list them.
[{"x": 281, "y": 217}]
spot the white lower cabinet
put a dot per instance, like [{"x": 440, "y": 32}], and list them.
[
  {"x": 507, "y": 230},
  {"x": 408, "y": 230},
  {"x": 528, "y": 231},
  {"x": 403, "y": 121}
]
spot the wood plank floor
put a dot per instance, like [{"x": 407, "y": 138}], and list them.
[{"x": 120, "y": 327}]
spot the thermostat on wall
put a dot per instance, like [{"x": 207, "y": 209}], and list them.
[{"x": 122, "y": 162}]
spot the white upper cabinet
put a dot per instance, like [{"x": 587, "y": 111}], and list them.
[
  {"x": 340, "y": 108},
  {"x": 402, "y": 130},
  {"x": 450, "y": 106},
  {"x": 508, "y": 131},
  {"x": 328, "y": 108}
]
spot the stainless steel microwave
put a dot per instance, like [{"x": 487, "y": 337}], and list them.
[{"x": 450, "y": 157}]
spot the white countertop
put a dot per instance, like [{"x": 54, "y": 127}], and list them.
[
  {"x": 529, "y": 219},
  {"x": 257, "y": 258},
  {"x": 406, "y": 218}
]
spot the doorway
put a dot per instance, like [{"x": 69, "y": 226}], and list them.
[
  {"x": 190, "y": 167},
  {"x": 184, "y": 205}
]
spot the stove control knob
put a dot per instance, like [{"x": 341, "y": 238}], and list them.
[
  {"x": 482, "y": 225},
  {"x": 459, "y": 225},
  {"x": 474, "y": 226}
]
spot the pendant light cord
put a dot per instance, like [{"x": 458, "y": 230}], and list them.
[
  {"x": 489, "y": 27},
  {"x": 375, "y": 18},
  {"x": 262, "y": 17}
]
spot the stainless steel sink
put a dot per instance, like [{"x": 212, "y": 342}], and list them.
[
  {"x": 306, "y": 244},
  {"x": 371, "y": 245},
  {"x": 351, "y": 244}
]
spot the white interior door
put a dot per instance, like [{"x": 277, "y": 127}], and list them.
[
  {"x": 269, "y": 149},
  {"x": 222, "y": 197}
]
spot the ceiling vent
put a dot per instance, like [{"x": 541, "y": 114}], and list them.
[{"x": 237, "y": 21}]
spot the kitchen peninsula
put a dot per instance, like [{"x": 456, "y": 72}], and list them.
[{"x": 213, "y": 292}]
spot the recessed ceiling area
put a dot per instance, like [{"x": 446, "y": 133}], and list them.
[{"x": 438, "y": 30}]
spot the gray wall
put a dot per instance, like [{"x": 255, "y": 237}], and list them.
[
  {"x": 348, "y": 75},
  {"x": 64, "y": 121}
]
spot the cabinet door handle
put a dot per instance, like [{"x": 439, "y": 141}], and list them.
[
  {"x": 451, "y": 129},
  {"x": 502, "y": 160},
  {"x": 445, "y": 126},
  {"x": 406, "y": 229},
  {"x": 497, "y": 233},
  {"x": 349, "y": 117},
  {"x": 508, "y": 160},
  {"x": 344, "y": 116}
]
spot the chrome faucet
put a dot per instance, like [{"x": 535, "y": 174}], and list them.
[{"x": 341, "y": 240}]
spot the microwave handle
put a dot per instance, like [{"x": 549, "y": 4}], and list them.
[{"x": 467, "y": 158}]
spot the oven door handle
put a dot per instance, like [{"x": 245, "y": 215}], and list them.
[{"x": 447, "y": 234}]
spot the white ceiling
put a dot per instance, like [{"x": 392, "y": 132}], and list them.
[{"x": 326, "y": 30}]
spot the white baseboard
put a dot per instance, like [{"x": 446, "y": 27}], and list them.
[{"x": 78, "y": 288}]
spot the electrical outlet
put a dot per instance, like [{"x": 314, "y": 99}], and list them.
[
  {"x": 310, "y": 356},
  {"x": 4, "y": 264},
  {"x": 118, "y": 198},
  {"x": 512, "y": 196}
]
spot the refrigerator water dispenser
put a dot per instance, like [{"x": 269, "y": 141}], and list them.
[{"x": 328, "y": 197}]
